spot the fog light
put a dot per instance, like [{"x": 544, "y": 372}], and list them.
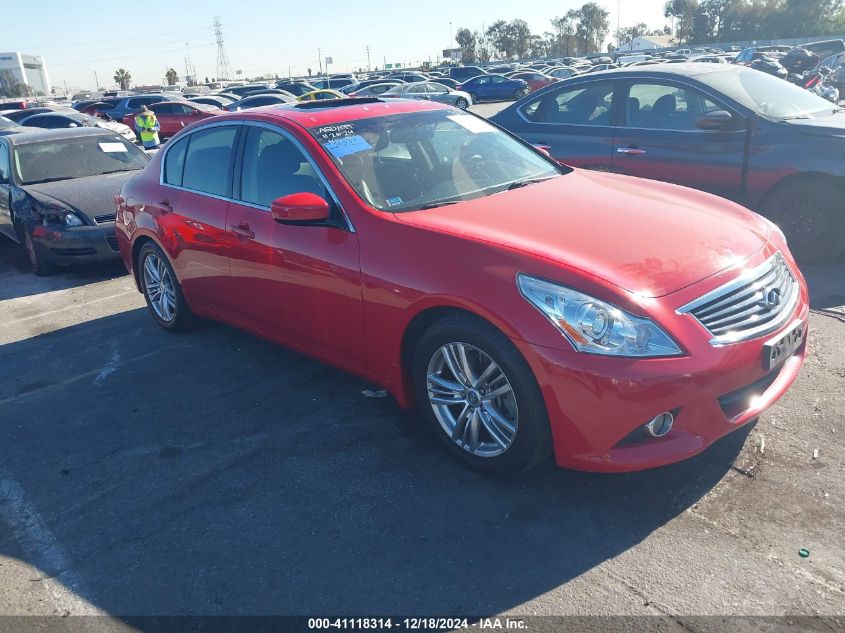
[{"x": 660, "y": 425}]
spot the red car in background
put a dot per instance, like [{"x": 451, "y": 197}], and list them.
[
  {"x": 535, "y": 80},
  {"x": 521, "y": 306},
  {"x": 174, "y": 115}
]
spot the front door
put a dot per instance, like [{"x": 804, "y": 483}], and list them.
[
  {"x": 659, "y": 139},
  {"x": 299, "y": 282}
]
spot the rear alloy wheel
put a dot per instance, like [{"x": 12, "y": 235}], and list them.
[
  {"x": 161, "y": 290},
  {"x": 474, "y": 97},
  {"x": 462, "y": 104},
  {"x": 480, "y": 396},
  {"x": 520, "y": 93},
  {"x": 809, "y": 213},
  {"x": 40, "y": 266}
]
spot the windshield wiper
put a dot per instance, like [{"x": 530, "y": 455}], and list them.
[
  {"x": 43, "y": 180},
  {"x": 115, "y": 171},
  {"x": 434, "y": 205},
  {"x": 528, "y": 181}
]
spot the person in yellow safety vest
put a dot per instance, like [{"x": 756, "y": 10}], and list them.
[{"x": 146, "y": 124}]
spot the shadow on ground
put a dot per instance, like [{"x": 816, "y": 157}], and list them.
[
  {"x": 17, "y": 279},
  {"x": 213, "y": 473}
]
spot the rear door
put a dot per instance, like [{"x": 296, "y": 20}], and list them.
[
  {"x": 658, "y": 138},
  {"x": 197, "y": 178},
  {"x": 574, "y": 122}
]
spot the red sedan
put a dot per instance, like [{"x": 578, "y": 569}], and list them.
[
  {"x": 522, "y": 306},
  {"x": 175, "y": 115},
  {"x": 535, "y": 80}
]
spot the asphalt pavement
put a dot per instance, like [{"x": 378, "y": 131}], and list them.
[{"x": 214, "y": 473}]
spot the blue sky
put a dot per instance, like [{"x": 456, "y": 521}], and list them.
[{"x": 262, "y": 36}]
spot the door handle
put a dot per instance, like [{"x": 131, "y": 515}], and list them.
[
  {"x": 631, "y": 151},
  {"x": 242, "y": 230}
]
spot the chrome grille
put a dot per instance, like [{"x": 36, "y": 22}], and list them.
[{"x": 753, "y": 305}]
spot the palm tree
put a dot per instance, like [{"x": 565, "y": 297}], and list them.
[
  {"x": 171, "y": 77},
  {"x": 123, "y": 78}
]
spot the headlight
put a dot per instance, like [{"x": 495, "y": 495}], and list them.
[
  {"x": 58, "y": 215},
  {"x": 594, "y": 326}
]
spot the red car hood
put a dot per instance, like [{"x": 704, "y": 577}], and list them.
[{"x": 644, "y": 236}]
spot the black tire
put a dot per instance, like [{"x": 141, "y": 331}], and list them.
[
  {"x": 462, "y": 104},
  {"x": 39, "y": 265},
  {"x": 810, "y": 214},
  {"x": 532, "y": 441},
  {"x": 474, "y": 97},
  {"x": 183, "y": 318}
]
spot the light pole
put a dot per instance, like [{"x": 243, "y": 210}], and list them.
[
  {"x": 618, "y": 22},
  {"x": 320, "y": 59}
]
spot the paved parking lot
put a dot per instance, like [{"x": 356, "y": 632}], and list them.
[{"x": 213, "y": 473}]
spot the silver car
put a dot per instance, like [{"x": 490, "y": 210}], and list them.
[{"x": 430, "y": 91}]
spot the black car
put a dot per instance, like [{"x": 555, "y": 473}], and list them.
[
  {"x": 19, "y": 115},
  {"x": 725, "y": 129},
  {"x": 57, "y": 191},
  {"x": 256, "y": 101},
  {"x": 464, "y": 73},
  {"x": 297, "y": 88}
]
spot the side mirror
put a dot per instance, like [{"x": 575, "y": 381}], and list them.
[
  {"x": 716, "y": 120},
  {"x": 300, "y": 207}
]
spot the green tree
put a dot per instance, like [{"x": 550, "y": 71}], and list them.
[
  {"x": 122, "y": 78},
  {"x": 467, "y": 41},
  {"x": 592, "y": 27},
  {"x": 628, "y": 34},
  {"x": 683, "y": 12},
  {"x": 171, "y": 76}
]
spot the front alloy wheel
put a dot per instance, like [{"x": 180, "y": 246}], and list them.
[
  {"x": 479, "y": 396},
  {"x": 472, "y": 399}
]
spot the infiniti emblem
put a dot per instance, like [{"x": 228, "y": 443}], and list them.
[{"x": 772, "y": 299}]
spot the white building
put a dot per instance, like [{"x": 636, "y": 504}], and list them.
[
  {"x": 29, "y": 70},
  {"x": 648, "y": 43}
]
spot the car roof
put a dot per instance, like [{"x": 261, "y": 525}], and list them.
[
  {"x": 313, "y": 113},
  {"x": 23, "y": 138},
  {"x": 687, "y": 69}
]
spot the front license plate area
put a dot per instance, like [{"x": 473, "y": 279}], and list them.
[{"x": 777, "y": 350}]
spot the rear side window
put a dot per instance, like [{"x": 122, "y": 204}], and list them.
[
  {"x": 208, "y": 161},
  {"x": 5, "y": 174},
  {"x": 174, "y": 162}
]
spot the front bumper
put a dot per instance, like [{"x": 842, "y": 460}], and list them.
[
  {"x": 76, "y": 245},
  {"x": 597, "y": 405}
]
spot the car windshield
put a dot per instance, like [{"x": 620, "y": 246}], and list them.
[
  {"x": 420, "y": 160},
  {"x": 67, "y": 158},
  {"x": 770, "y": 96},
  {"x": 203, "y": 107}
]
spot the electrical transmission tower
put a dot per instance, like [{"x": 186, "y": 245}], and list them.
[{"x": 224, "y": 70}]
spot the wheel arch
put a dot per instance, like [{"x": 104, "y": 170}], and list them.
[
  {"x": 414, "y": 331},
  {"x": 802, "y": 177}
]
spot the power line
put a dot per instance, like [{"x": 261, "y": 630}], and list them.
[
  {"x": 121, "y": 57},
  {"x": 98, "y": 44}
]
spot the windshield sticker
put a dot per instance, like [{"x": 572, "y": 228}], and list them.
[
  {"x": 332, "y": 132},
  {"x": 393, "y": 202},
  {"x": 341, "y": 147},
  {"x": 471, "y": 123},
  {"x": 113, "y": 148}
]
